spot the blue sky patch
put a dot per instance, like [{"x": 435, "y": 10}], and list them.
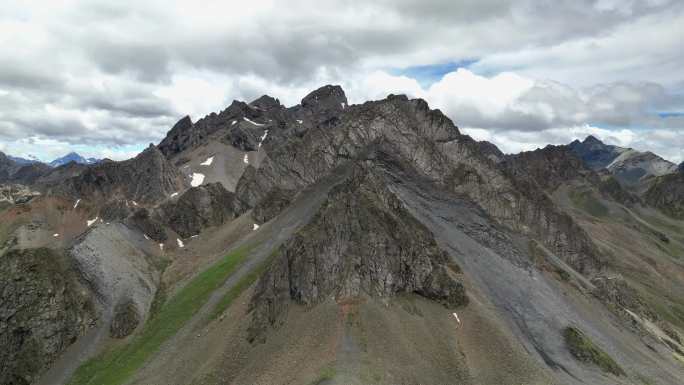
[
  {"x": 670, "y": 114},
  {"x": 428, "y": 74}
]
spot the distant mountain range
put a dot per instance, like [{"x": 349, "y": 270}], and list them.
[
  {"x": 629, "y": 166},
  {"x": 70, "y": 157}
]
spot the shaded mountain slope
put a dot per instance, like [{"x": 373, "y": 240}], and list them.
[
  {"x": 147, "y": 178},
  {"x": 667, "y": 194}
]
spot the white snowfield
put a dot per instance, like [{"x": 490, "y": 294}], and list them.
[
  {"x": 197, "y": 179},
  {"x": 90, "y": 222},
  {"x": 208, "y": 162},
  {"x": 255, "y": 227},
  {"x": 254, "y": 123},
  {"x": 234, "y": 121},
  {"x": 300, "y": 121},
  {"x": 180, "y": 243},
  {"x": 77, "y": 202},
  {"x": 246, "y": 159}
]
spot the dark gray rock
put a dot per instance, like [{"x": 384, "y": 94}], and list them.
[
  {"x": 44, "y": 309},
  {"x": 667, "y": 194},
  {"x": 148, "y": 178},
  {"x": 198, "y": 208},
  {"x": 126, "y": 319},
  {"x": 362, "y": 242}
]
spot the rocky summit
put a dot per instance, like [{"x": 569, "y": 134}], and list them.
[{"x": 337, "y": 243}]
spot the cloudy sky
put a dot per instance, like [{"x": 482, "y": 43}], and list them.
[{"x": 106, "y": 78}]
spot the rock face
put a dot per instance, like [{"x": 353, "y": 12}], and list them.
[
  {"x": 667, "y": 194},
  {"x": 549, "y": 167},
  {"x": 430, "y": 142},
  {"x": 44, "y": 309},
  {"x": 198, "y": 208},
  {"x": 147, "y": 178},
  {"x": 361, "y": 242}
]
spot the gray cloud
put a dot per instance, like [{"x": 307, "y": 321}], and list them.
[{"x": 120, "y": 73}]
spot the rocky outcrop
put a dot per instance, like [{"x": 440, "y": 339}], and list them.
[
  {"x": 362, "y": 242},
  {"x": 667, "y": 194},
  {"x": 44, "y": 309},
  {"x": 275, "y": 201},
  {"x": 198, "y": 208},
  {"x": 126, "y": 319},
  {"x": 148, "y": 178},
  {"x": 549, "y": 167},
  {"x": 16, "y": 194}
]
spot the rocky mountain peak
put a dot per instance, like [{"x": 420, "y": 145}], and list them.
[
  {"x": 266, "y": 102},
  {"x": 330, "y": 97},
  {"x": 591, "y": 140}
]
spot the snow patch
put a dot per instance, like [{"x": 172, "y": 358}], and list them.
[
  {"x": 180, "y": 243},
  {"x": 146, "y": 237},
  {"x": 174, "y": 194},
  {"x": 55, "y": 235},
  {"x": 246, "y": 159},
  {"x": 300, "y": 121},
  {"x": 77, "y": 202},
  {"x": 255, "y": 227},
  {"x": 207, "y": 162},
  {"x": 195, "y": 236},
  {"x": 197, "y": 179},
  {"x": 263, "y": 137},
  {"x": 234, "y": 121},
  {"x": 343, "y": 105},
  {"x": 161, "y": 246},
  {"x": 90, "y": 222},
  {"x": 456, "y": 316},
  {"x": 254, "y": 123},
  {"x": 134, "y": 203}
]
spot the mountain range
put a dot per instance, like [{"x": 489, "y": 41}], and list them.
[
  {"x": 70, "y": 157},
  {"x": 329, "y": 243}
]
